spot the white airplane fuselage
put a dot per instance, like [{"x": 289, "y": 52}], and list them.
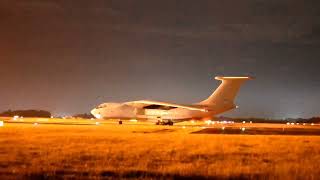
[
  {"x": 124, "y": 111},
  {"x": 220, "y": 101}
]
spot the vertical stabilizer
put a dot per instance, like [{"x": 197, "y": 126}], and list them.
[{"x": 226, "y": 92}]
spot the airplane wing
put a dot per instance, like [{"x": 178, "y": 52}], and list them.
[{"x": 148, "y": 102}]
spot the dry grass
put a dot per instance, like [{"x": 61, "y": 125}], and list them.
[{"x": 151, "y": 152}]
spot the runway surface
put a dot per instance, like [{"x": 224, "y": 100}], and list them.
[{"x": 198, "y": 127}]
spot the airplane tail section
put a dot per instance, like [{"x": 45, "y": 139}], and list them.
[{"x": 226, "y": 92}]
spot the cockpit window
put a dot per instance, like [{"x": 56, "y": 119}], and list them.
[{"x": 101, "y": 106}]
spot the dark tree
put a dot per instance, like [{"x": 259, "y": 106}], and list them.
[
  {"x": 26, "y": 113},
  {"x": 84, "y": 116}
]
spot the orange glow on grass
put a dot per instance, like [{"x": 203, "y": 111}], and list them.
[{"x": 208, "y": 122}]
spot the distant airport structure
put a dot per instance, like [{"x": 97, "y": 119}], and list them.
[{"x": 165, "y": 113}]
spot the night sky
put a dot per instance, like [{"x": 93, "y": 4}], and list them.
[{"x": 67, "y": 56}]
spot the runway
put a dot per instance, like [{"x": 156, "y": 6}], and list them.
[{"x": 198, "y": 127}]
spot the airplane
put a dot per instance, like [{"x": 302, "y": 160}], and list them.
[{"x": 164, "y": 113}]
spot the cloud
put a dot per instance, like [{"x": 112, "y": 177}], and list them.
[
  {"x": 248, "y": 21},
  {"x": 274, "y": 21}
]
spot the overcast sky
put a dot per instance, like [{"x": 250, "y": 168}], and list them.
[{"x": 69, "y": 56}]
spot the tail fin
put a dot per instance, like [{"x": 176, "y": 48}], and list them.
[{"x": 226, "y": 92}]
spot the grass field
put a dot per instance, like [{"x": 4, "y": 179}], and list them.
[{"x": 108, "y": 151}]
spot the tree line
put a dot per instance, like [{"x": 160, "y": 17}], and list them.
[
  {"x": 26, "y": 113},
  {"x": 38, "y": 113}
]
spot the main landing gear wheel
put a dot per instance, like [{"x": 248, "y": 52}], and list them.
[
  {"x": 120, "y": 122},
  {"x": 170, "y": 123}
]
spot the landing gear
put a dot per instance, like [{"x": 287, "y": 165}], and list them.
[
  {"x": 161, "y": 122},
  {"x": 120, "y": 122}
]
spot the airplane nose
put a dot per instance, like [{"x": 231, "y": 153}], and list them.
[{"x": 95, "y": 113}]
